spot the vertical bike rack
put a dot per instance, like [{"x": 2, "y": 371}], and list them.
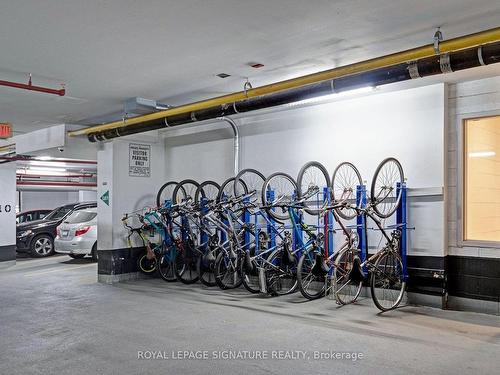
[
  {"x": 402, "y": 225},
  {"x": 204, "y": 210},
  {"x": 360, "y": 223},
  {"x": 328, "y": 223},
  {"x": 271, "y": 223}
]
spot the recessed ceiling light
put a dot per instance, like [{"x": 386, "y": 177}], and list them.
[{"x": 223, "y": 75}]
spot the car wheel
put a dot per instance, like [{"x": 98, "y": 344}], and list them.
[
  {"x": 94, "y": 252},
  {"x": 42, "y": 246},
  {"x": 76, "y": 256}
]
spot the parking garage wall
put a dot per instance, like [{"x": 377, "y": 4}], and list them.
[
  {"x": 473, "y": 270},
  {"x": 408, "y": 125},
  {"x": 121, "y": 191}
]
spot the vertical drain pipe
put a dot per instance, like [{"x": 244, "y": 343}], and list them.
[{"x": 231, "y": 122}]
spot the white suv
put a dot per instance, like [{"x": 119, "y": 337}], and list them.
[{"x": 77, "y": 235}]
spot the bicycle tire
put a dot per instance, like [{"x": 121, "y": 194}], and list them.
[
  {"x": 278, "y": 213},
  {"x": 308, "y": 262},
  {"x": 276, "y": 288},
  {"x": 345, "y": 289},
  {"x": 145, "y": 265},
  {"x": 183, "y": 191},
  {"x": 219, "y": 268},
  {"x": 373, "y": 281},
  {"x": 300, "y": 181},
  {"x": 345, "y": 213},
  {"x": 159, "y": 202},
  {"x": 374, "y": 194},
  {"x": 203, "y": 191},
  {"x": 254, "y": 182},
  {"x": 167, "y": 267}
]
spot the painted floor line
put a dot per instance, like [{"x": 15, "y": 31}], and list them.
[{"x": 58, "y": 270}]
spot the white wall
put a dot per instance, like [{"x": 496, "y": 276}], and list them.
[
  {"x": 466, "y": 100},
  {"x": 408, "y": 125},
  {"x": 33, "y": 200},
  {"x": 127, "y": 194},
  {"x": 7, "y": 210}
]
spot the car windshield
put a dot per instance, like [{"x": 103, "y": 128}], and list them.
[
  {"x": 80, "y": 217},
  {"x": 58, "y": 213}
]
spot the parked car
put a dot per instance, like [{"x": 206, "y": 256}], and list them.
[
  {"x": 77, "y": 235},
  {"x": 37, "y": 237},
  {"x": 27, "y": 216}
]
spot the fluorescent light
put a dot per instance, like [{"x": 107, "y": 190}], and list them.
[
  {"x": 47, "y": 163},
  {"x": 46, "y": 169},
  {"x": 482, "y": 154},
  {"x": 44, "y": 158},
  {"x": 342, "y": 94}
]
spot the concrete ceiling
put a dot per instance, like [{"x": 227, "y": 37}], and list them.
[{"x": 108, "y": 51}]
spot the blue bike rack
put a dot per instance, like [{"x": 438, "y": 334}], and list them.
[
  {"x": 271, "y": 224},
  {"x": 402, "y": 224},
  {"x": 360, "y": 223},
  {"x": 204, "y": 210},
  {"x": 328, "y": 223}
]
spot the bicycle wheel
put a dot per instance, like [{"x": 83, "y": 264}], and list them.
[
  {"x": 167, "y": 265},
  {"x": 227, "y": 272},
  {"x": 186, "y": 263},
  {"x": 165, "y": 193},
  {"x": 385, "y": 195},
  {"x": 278, "y": 188},
  {"x": 345, "y": 287},
  {"x": 252, "y": 179},
  {"x": 250, "y": 275},
  {"x": 208, "y": 190},
  {"x": 281, "y": 277},
  {"x": 311, "y": 274},
  {"x": 312, "y": 180},
  {"x": 145, "y": 265},
  {"x": 387, "y": 283},
  {"x": 185, "y": 190},
  {"x": 227, "y": 189},
  {"x": 345, "y": 181},
  {"x": 206, "y": 268}
]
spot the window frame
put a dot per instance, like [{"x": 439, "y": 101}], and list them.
[{"x": 461, "y": 183}]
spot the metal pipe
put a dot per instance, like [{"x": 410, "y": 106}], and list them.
[
  {"x": 236, "y": 142},
  {"x": 464, "y": 59},
  {"x": 29, "y": 86},
  {"x": 456, "y": 44}
]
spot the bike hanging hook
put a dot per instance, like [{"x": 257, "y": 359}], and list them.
[{"x": 438, "y": 37}]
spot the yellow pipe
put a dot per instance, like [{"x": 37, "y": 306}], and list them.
[{"x": 464, "y": 42}]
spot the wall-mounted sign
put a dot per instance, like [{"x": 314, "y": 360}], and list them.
[
  {"x": 5, "y": 130},
  {"x": 139, "y": 160},
  {"x": 105, "y": 197}
]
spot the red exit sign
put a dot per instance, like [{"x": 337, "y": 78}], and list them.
[{"x": 5, "y": 130}]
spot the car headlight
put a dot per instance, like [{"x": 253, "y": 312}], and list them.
[{"x": 24, "y": 233}]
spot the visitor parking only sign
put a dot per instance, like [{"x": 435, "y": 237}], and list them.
[{"x": 139, "y": 160}]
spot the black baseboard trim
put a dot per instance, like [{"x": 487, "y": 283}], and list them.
[
  {"x": 118, "y": 261},
  {"x": 468, "y": 277},
  {"x": 473, "y": 277},
  {"x": 7, "y": 253}
]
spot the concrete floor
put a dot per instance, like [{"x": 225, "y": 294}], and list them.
[{"x": 56, "y": 319}]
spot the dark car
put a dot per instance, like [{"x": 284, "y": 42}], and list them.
[
  {"x": 27, "y": 216},
  {"x": 37, "y": 237}
]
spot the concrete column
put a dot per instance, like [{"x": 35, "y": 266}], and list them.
[
  {"x": 121, "y": 189},
  {"x": 7, "y": 214}
]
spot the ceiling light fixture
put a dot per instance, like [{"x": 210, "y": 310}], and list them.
[
  {"x": 223, "y": 75},
  {"x": 46, "y": 169},
  {"x": 337, "y": 95}
]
